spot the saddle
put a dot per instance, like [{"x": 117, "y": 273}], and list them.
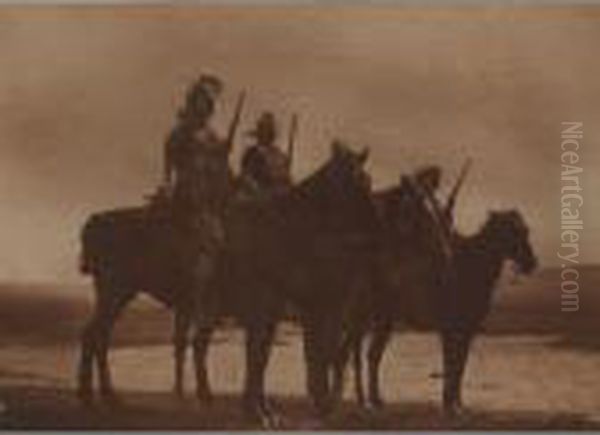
[{"x": 160, "y": 201}]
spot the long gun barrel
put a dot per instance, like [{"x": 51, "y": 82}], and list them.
[
  {"x": 236, "y": 120},
  {"x": 454, "y": 193}
]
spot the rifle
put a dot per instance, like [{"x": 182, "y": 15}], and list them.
[
  {"x": 235, "y": 121},
  {"x": 292, "y": 139},
  {"x": 454, "y": 193}
]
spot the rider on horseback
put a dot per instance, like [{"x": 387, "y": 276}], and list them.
[
  {"x": 435, "y": 218},
  {"x": 265, "y": 168},
  {"x": 413, "y": 213},
  {"x": 191, "y": 201},
  {"x": 195, "y": 158},
  {"x": 414, "y": 209},
  {"x": 192, "y": 139}
]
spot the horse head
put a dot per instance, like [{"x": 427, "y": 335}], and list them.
[
  {"x": 346, "y": 170},
  {"x": 511, "y": 237},
  {"x": 341, "y": 188}
]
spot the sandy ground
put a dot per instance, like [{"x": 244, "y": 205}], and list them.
[{"x": 520, "y": 382}]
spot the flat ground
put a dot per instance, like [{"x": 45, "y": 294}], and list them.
[
  {"x": 512, "y": 382},
  {"x": 538, "y": 375}
]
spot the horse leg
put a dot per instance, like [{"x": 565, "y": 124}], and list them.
[
  {"x": 455, "y": 347},
  {"x": 88, "y": 349},
  {"x": 358, "y": 369},
  {"x": 180, "y": 338},
  {"x": 464, "y": 346},
  {"x": 201, "y": 344},
  {"x": 317, "y": 369},
  {"x": 355, "y": 348},
  {"x": 205, "y": 315},
  {"x": 334, "y": 348},
  {"x": 379, "y": 341},
  {"x": 259, "y": 342},
  {"x": 108, "y": 316},
  {"x": 89, "y": 344},
  {"x": 340, "y": 367},
  {"x": 265, "y": 355}
]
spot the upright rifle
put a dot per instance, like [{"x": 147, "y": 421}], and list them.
[
  {"x": 448, "y": 210},
  {"x": 235, "y": 121},
  {"x": 292, "y": 139}
]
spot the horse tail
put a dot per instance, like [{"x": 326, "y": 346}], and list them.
[
  {"x": 85, "y": 262},
  {"x": 88, "y": 254}
]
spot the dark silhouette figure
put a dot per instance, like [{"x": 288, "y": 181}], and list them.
[
  {"x": 167, "y": 249},
  {"x": 453, "y": 298},
  {"x": 265, "y": 167},
  {"x": 189, "y": 143},
  {"x": 411, "y": 234},
  {"x": 304, "y": 247},
  {"x": 412, "y": 213}
]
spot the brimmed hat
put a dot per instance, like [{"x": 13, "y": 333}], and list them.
[
  {"x": 265, "y": 125},
  {"x": 427, "y": 175}
]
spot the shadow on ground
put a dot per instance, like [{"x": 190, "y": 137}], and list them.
[
  {"x": 581, "y": 342},
  {"x": 55, "y": 408}
]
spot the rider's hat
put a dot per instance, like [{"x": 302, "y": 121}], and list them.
[
  {"x": 265, "y": 126},
  {"x": 429, "y": 176}
]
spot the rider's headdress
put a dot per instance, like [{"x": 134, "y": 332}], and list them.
[{"x": 207, "y": 86}]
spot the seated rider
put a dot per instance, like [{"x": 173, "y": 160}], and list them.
[
  {"x": 190, "y": 145},
  {"x": 265, "y": 169},
  {"x": 195, "y": 162},
  {"x": 414, "y": 211}
]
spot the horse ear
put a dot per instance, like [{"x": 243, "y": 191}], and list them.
[
  {"x": 364, "y": 156},
  {"x": 492, "y": 214},
  {"x": 336, "y": 147},
  {"x": 518, "y": 218}
]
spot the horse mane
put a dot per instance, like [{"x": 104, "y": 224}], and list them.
[
  {"x": 311, "y": 185},
  {"x": 487, "y": 234}
]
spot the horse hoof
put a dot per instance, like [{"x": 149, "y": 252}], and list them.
[
  {"x": 179, "y": 392},
  {"x": 85, "y": 396},
  {"x": 262, "y": 417},
  {"x": 270, "y": 421},
  {"x": 111, "y": 399},
  {"x": 311, "y": 424},
  {"x": 376, "y": 404},
  {"x": 324, "y": 408},
  {"x": 272, "y": 417},
  {"x": 454, "y": 411},
  {"x": 256, "y": 418},
  {"x": 204, "y": 396}
]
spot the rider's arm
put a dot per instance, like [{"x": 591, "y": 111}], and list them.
[{"x": 248, "y": 161}]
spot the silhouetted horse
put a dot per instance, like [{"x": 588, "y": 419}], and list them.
[
  {"x": 166, "y": 250},
  {"x": 454, "y": 298},
  {"x": 304, "y": 247}
]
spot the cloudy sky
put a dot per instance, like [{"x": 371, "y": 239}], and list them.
[{"x": 87, "y": 97}]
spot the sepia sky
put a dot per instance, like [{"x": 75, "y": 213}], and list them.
[{"x": 87, "y": 96}]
